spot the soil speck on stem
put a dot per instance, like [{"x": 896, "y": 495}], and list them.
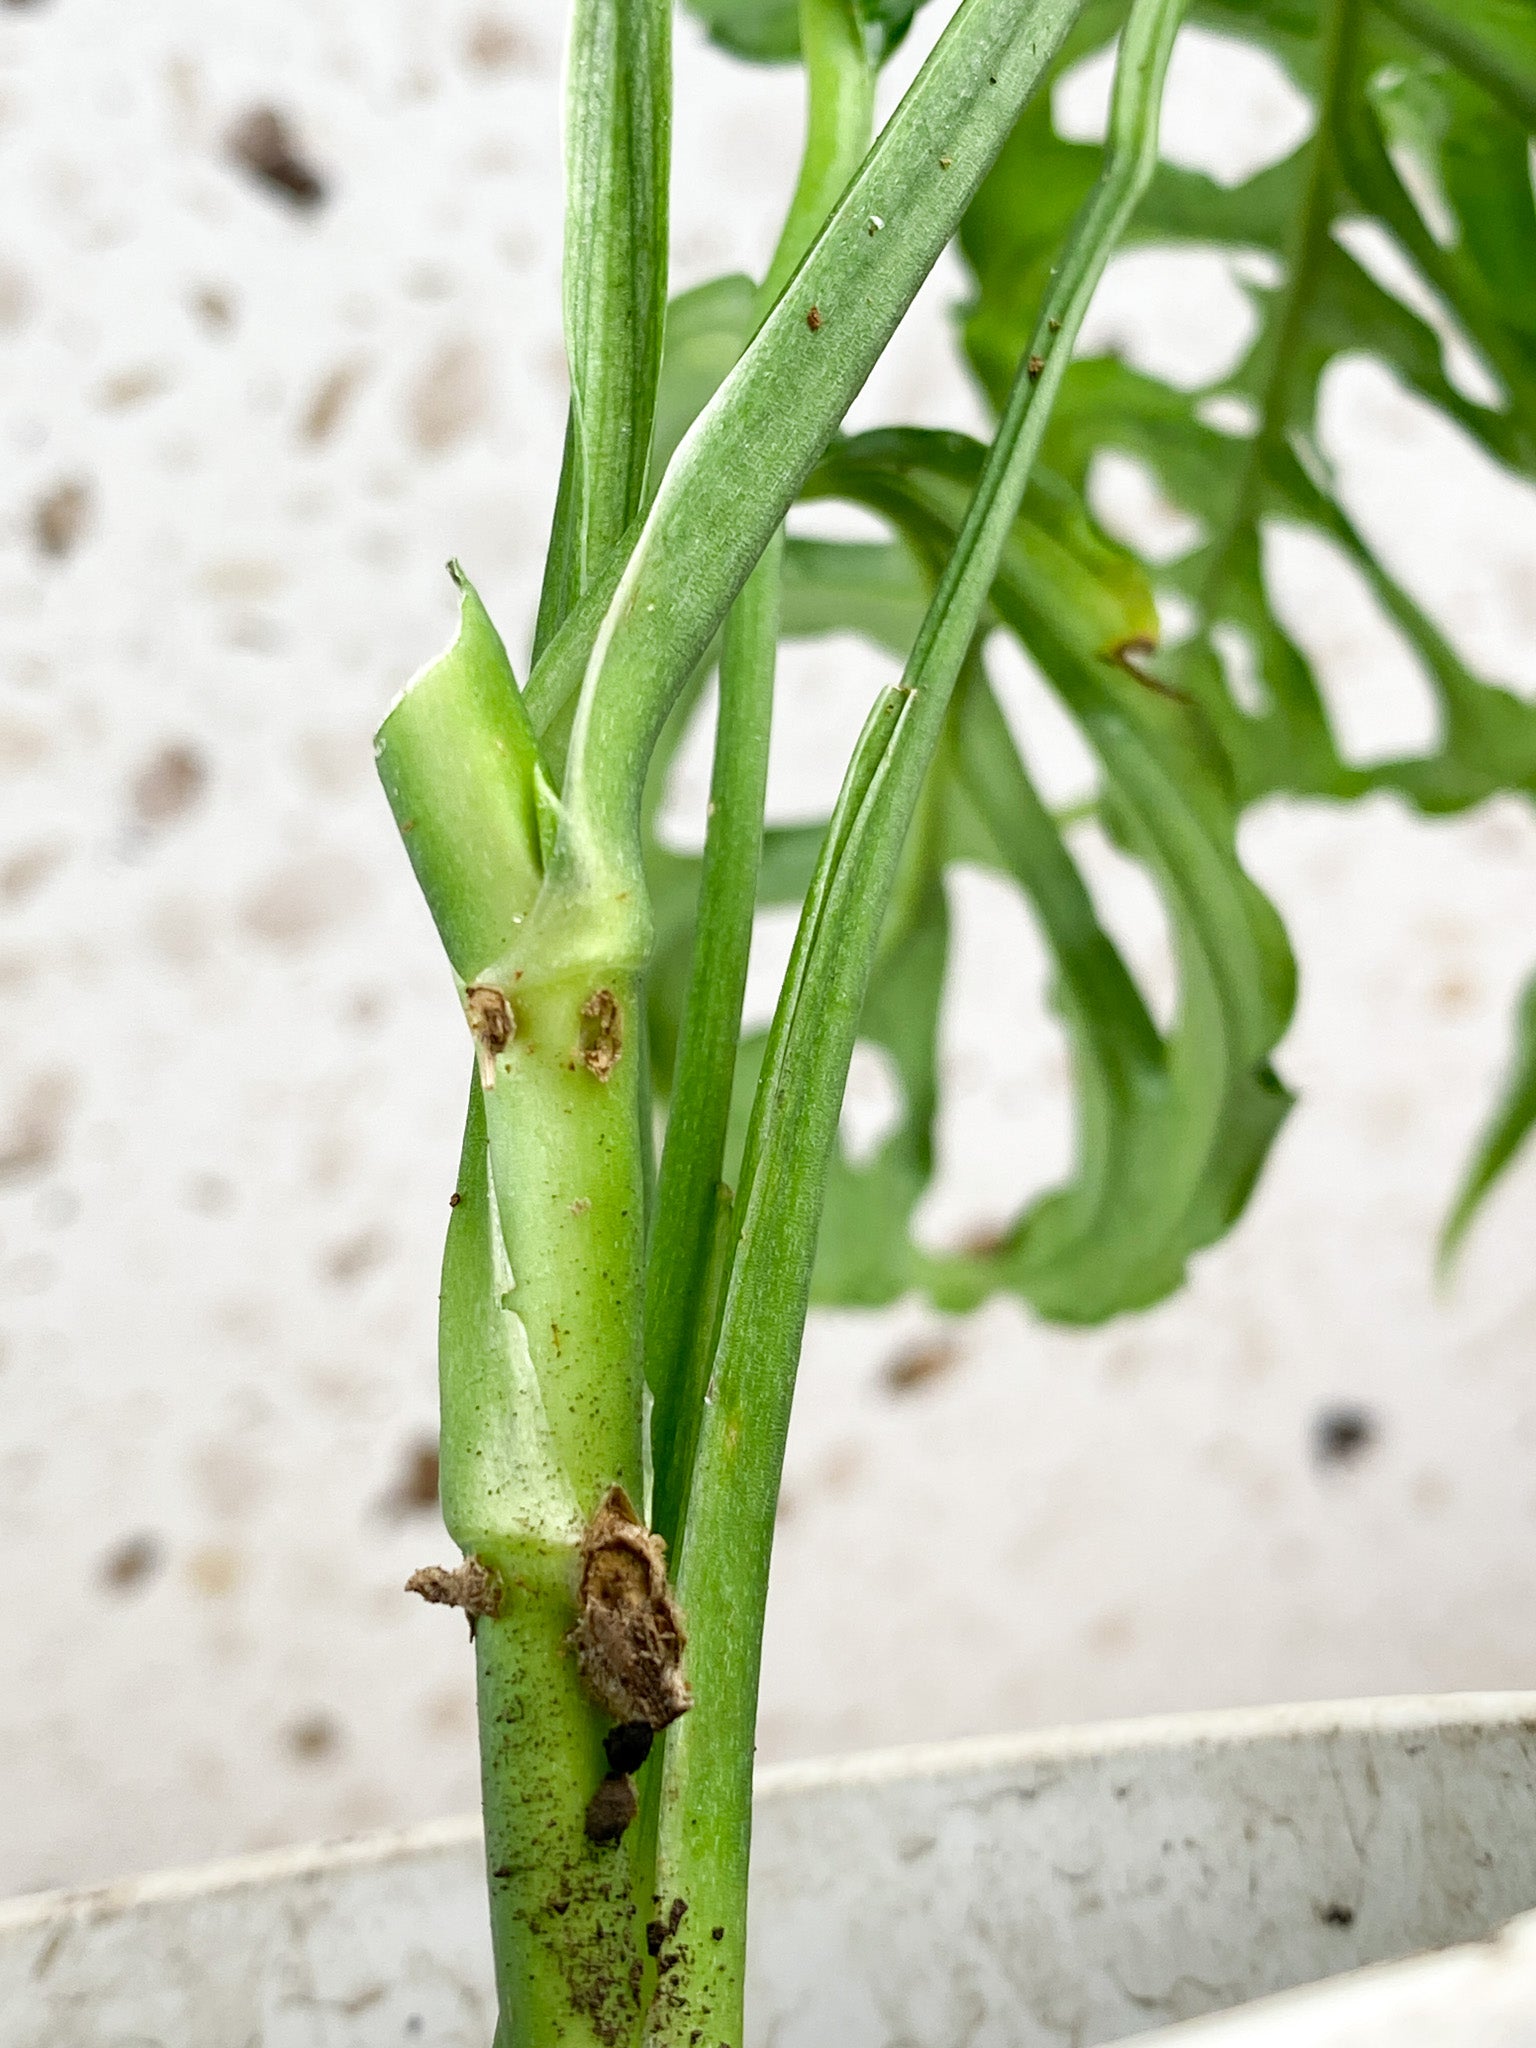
[{"x": 611, "y": 1809}]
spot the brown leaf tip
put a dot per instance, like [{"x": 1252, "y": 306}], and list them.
[
  {"x": 469, "y": 1585},
  {"x": 629, "y": 1639},
  {"x": 602, "y": 1033}
]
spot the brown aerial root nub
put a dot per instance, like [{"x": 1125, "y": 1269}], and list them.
[
  {"x": 611, "y": 1809},
  {"x": 602, "y": 1033},
  {"x": 468, "y": 1585},
  {"x": 492, "y": 1025},
  {"x": 630, "y": 1637}
]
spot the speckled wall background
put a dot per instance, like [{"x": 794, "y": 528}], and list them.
[{"x": 256, "y": 382}]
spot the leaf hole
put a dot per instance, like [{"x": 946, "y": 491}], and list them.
[
  {"x": 1061, "y": 763},
  {"x": 1004, "y": 1127},
  {"x": 1385, "y": 262},
  {"x": 1182, "y": 313},
  {"x": 1129, "y": 502},
  {"x": 1240, "y": 667},
  {"x": 1229, "y": 108},
  {"x": 1450, "y": 523},
  {"x": 1380, "y": 698}
]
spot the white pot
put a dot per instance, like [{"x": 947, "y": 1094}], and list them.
[{"x": 1069, "y": 1887}]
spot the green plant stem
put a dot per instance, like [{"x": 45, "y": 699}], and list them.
[
  {"x": 840, "y": 105},
  {"x": 554, "y": 1164},
  {"x": 562, "y": 1940},
  {"x": 1309, "y": 241},
  {"x": 741, "y": 465},
  {"x": 618, "y": 122},
  {"x": 706, "y": 1059},
  {"x": 706, "y": 1794},
  {"x": 840, "y": 119},
  {"x": 539, "y": 1354}
]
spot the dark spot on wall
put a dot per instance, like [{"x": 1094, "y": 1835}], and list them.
[
  {"x": 210, "y": 1194},
  {"x": 215, "y": 1570},
  {"x": 132, "y": 1563},
  {"x": 331, "y": 397},
  {"x": 312, "y": 1738},
  {"x": 214, "y": 307},
  {"x": 25, "y": 872},
  {"x": 59, "y": 517},
  {"x": 413, "y": 1490},
  {"x": 449, "y": 397},
  {"x": 918, "y": 1366},
  {"x": 168, "y": 784},
  {"x": 1335, "y": 1915},
  {"x": 1343, "y": 1434},
  {"x": 15, "y": 298},
  {"x": 496, "y": 44},
  {"x": 303, "y": 900},
  {"x": 264, "y": 144},
  {"x": 355, "y": 1257},
  {"x": 127, "y": 388},
  {"x": 30, "y": 1142}
]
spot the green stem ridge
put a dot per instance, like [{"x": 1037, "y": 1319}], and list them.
[
  {"x": 691, "y": 1159},
  {"x": 543, "y": 1287},
  {"x": 683, "y": 1292},
  {"x": 840, "y": 119},
  {"x": 705, "y": 1800},
  {"x": 617, "y": 160}
]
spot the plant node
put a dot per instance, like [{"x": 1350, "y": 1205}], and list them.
[
  {"x": 630, "y": 1638},
  {"x": 602, "y": 1033},
  {"x": 492, "y": 1025}
]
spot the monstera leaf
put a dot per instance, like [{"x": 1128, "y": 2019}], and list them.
[
  {"x": 769, "y": 30},
  {"x": 1423, "y": 112},
  {"x": 1423, "y": 116},
  {"x": 1172, "y": 1127}
]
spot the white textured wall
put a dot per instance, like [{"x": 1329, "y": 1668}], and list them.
[{"x": 239, "y": 440}]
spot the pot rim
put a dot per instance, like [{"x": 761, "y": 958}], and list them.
[{"x": 1217, "y": 1727}]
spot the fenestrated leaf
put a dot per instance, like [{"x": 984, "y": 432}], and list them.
[
  {"x": 1442, "y": 87},
  {"x": 1172, "y": 1130},
  {"x": 1424, "y": 111}
]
